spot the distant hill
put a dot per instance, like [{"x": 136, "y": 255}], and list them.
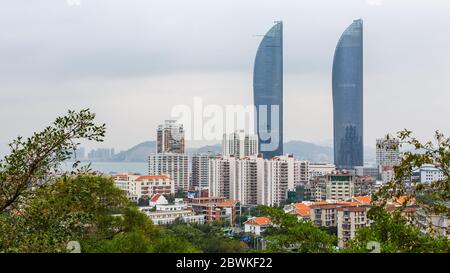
[
  {"x": 215, "y": 149},
  {"x": 136, "y": 153},
  {"x": 308, "y": 151},
  {"x": 302, "y": 150}
]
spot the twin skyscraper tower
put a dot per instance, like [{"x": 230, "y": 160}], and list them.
[{"x": 347, "y": 85}]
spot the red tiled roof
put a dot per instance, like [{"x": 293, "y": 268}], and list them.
[{"x": 155, "y": 198}]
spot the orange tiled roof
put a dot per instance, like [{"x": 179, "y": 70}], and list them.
[
  {"x": 302, "y": 209},
  {"x": 259, "y": 221},
  {"x": 227, "y": 203},
  {"x": 352, "y": 209},
  {"x": 350, "y": 204},
  {"x": 151, "y": 177},
  {"x": 363, "y": 199},
  {"x": 402, "y": 199}
]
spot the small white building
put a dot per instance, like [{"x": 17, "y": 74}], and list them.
[
  {"x": 427, "y": 174},
  {"x": 144, "y": 186},
  {"x": 257, "y": 225},
  {"x": 167, "y": 213},
  {"x": 158, "y": 199}
]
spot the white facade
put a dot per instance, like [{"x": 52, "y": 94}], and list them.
[
  {"x": 257, "y": 225},
  {"x": 349, "y": 220},
  {"x": 333, "y": 187},
  {"x": 223, "y": 177},
  {"x": 279, "y": 178},
  {"x": 428, "y": 173},
  {"x": 320, "y": 169},
  {"x": 239, "y": 144},
  {"x": 167, "y": 214},
  {"x": 173, "y": 165},
  {"x": 250, "y": 180},
  {"x": 200, "y": 170},
  {"x": 301, "y": 169},
  {"x": 387, "y": 151},
  {"x": 143, "y": 186}
]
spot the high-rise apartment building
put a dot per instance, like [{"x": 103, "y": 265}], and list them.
[
  {"x": 250, "y": 177},
  {"x": 279, "y": 179},
  {"x": 170, "y": 138},
  {"x": 347, "y": 85},
  {"x": 173, "y": 165},
  {"x": 222, "y": 177},
  {"x": 387, "y": 151},
  {"x": 200, "y": 170},
  {"x": 252, "y": 180},
  {"x": 320, "y": 169},
  {"x": 239, "y": 144},
  {"x": 334, "y": 187},
  {"x": 341, "y": 186},
  {"x": 268, "y": 92}
]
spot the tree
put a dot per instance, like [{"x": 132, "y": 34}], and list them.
[
  {"x": 397, "y": 231},
  {"x": 395, "y": 234},
  {"x": 32, "y": 159},
  {"x": 433, "y": 198},
  {"x": 71, "y": 208},
  {"x": 208, "y": 238},
  {"x": 289, "y": 234}
]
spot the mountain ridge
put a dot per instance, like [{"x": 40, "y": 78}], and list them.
[{"x": 302, "y": 150}]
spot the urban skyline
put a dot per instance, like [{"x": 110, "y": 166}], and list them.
[
  {"x": 257, "y": 127},
  {"x": 133, "y": 84}
]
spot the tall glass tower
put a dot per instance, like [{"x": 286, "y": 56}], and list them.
[
  {"x": 348, "y": 98},
  {"x": 268, "y": 92}
]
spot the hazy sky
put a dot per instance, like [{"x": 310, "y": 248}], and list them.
[{"x": 131, "y": 61}]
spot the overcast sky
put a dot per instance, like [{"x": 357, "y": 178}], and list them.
[{"x": 131, "y": 61}]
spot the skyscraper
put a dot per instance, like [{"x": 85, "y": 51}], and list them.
[
  {"x": 268, "y": 92},
  {"x": 348, "y": 98}
]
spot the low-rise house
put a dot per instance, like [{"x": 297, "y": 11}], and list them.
[
  {"x": 158, "y": 199},
  {"x": 144, "y": 186},
  {"x": 257, "y": 225},
  {"x": 216, "y": 208},
  {"x": 168, "y": 213}
]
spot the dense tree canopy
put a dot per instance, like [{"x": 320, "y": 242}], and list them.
[
  {"x": 291, "y": 235},
  {"x": 33, "y": 158}
]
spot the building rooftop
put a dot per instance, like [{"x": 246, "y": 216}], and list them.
[{"x": 258, "y": 221}]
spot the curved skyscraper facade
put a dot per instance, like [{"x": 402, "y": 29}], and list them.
[
  {"x": 268, "y": 92},
  {"x": 348, "y": 98}
]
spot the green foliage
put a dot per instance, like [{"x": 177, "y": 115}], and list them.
[
  {"x": 397, "y": 231},
  {"x": 290, "y": 235},
  {"x": 208, "y": 238},
  {"x": 396, "y": 234},
  {"x": 433, "y": 198},
  {"x": 68, "y": 209},
  {"x": 31, "y": 159}
]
